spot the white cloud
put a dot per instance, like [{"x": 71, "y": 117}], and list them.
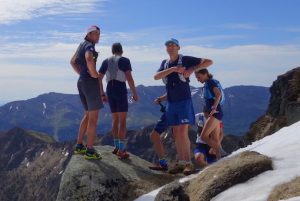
[
  {"x": 31, "y": 69},
  {"x": 16, "y": 10}
]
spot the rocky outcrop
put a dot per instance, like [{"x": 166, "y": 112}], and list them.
[
  {"x": 109, "y": 179},
  {"x": 31, "y": 165},
  {"x": 217, "y": 178},
  {"x": 283, "y": 109},
  {"x": 286, "y": 191}
]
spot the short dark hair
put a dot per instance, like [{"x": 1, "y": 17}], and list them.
[
  {"x": 116, "y": 48},
  {"x": 204, "y": 72}
]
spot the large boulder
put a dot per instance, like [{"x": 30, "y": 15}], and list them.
[
  {"x": 109, "y": 179},
  {"x": 286, "y": 191},
  {"x": 283, "y": 109},
  {"x": 217, "y": 178}
]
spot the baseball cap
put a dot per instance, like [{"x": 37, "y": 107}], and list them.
[
  {"x": 91, "y": 29},
  {"x": 172, "y": 41}
]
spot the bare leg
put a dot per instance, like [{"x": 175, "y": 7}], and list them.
[
  {"x": 157, "y": 144},
  {"x": 115, "y": 125},
  {"x": 210, "y": 137},
  {"x": 182, "y": 141},
  {"x": 83, "y": 128},
  {"x": 91, "y": 127},
  {"x": 122, "y": 125}
]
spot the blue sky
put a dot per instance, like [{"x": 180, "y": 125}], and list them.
[{"x": 251, "y": 42}]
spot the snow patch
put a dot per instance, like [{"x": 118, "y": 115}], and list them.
[
  {"x": 60, "y": 172},
  {"x": 10, "y": 108},
  {"x": 27, "y": 164},
  {"x": 283, "y": 147},
  {"x": 292, "y": 199},
  {"x": 67, "y": 154},
  {"x": 42, "y": 153}
]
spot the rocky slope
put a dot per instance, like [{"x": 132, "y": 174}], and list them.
[
  {"x": 283, "y": 109},
  {"x": 109, "y": 179},
  {"x": 31, "y": 165}
]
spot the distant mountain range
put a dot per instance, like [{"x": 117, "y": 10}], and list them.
[{"x": 59, "y": 114}]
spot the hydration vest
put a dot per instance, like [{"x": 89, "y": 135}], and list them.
[
  {"x": 179, "y": 63},
  {"x": 113, "y": 72},
  {"x": 208, "y": 94}
]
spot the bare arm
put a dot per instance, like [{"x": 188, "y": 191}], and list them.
[
  {"x": 131, "y": 85},
  {"x": 161, "y": 98},
  {"x": 218, "y": 95},
  {"x": 91, "y": 64},
  {"x": 74, "y": 65},
  {"x": 166, "y": 72},
  {"x": 103, "y": 96},
  {"x": 205, "y": 63}
]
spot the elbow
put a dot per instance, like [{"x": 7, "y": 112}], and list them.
[
  {"x": 156, "y": 77},
  {"x": 208, "y": 62}
]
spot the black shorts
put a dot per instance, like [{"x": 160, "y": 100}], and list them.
[
  {"x": 162, "y": 124},
  {"x": 89, "y": 93},
  {"x": 117, "y": 96}
]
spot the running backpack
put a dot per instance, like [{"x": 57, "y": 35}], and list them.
[
  {"x": 179, "y": 63},
  {"x": 210, "y": 95}
]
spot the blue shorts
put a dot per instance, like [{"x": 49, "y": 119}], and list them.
[
  {"x": 181, "y": 112},
  {"x": 162, "y": 124},
  {"x": 204, "y": 149}
]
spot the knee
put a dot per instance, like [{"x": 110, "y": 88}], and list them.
[
  {"x": 154, "y": 136},
  {"x": 204, "y": 138}
]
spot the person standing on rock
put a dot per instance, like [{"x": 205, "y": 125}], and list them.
[
  {"x": 213, "y": 97},
  {"x": 118, "y": 70},
  {"x": 160, "y": 127},
  {"x": 84, "y": 64},
  {"x": 175, "y": 73}
]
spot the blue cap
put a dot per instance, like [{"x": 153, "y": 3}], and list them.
[{"x": 172, "y": 41}]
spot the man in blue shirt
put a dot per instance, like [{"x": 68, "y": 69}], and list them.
[
  {"x": 175, "y": 73},
  {"x": 84, "y": 64},
  {"x": 118, "y": 70}
]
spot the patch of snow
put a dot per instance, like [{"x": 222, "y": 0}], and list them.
[
  {"x": 67, "y": 154},
  {"x": 45, "y": 107},
  {"x": 27, "y": 164},
  {"x": 17, "y": 107},
  {"x": 292, "y": 199},
  {"x": 10, "y": 108},
  {"x": 283, "y": 147},
  {"x": 61, "y": 172},
  {"x": 42, "y": 153}
]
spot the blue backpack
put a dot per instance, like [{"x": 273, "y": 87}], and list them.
[{"x": 208, "y": 94}]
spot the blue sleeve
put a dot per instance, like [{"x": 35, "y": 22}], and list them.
[
  {"x": 89, "y": 48},
  {"x": 104, "y": 67},
  {"x": 124, "y": 64},
  {"x": 211, "y": 84},
  {"x": 189, "y": 61},
  {"x": 162, "y": 66}
]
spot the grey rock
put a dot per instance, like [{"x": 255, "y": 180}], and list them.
[
  {"x": 217, "y": 178},
  {"x": 283, "y": 109},
  {"x": 109, "y": 179}
]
